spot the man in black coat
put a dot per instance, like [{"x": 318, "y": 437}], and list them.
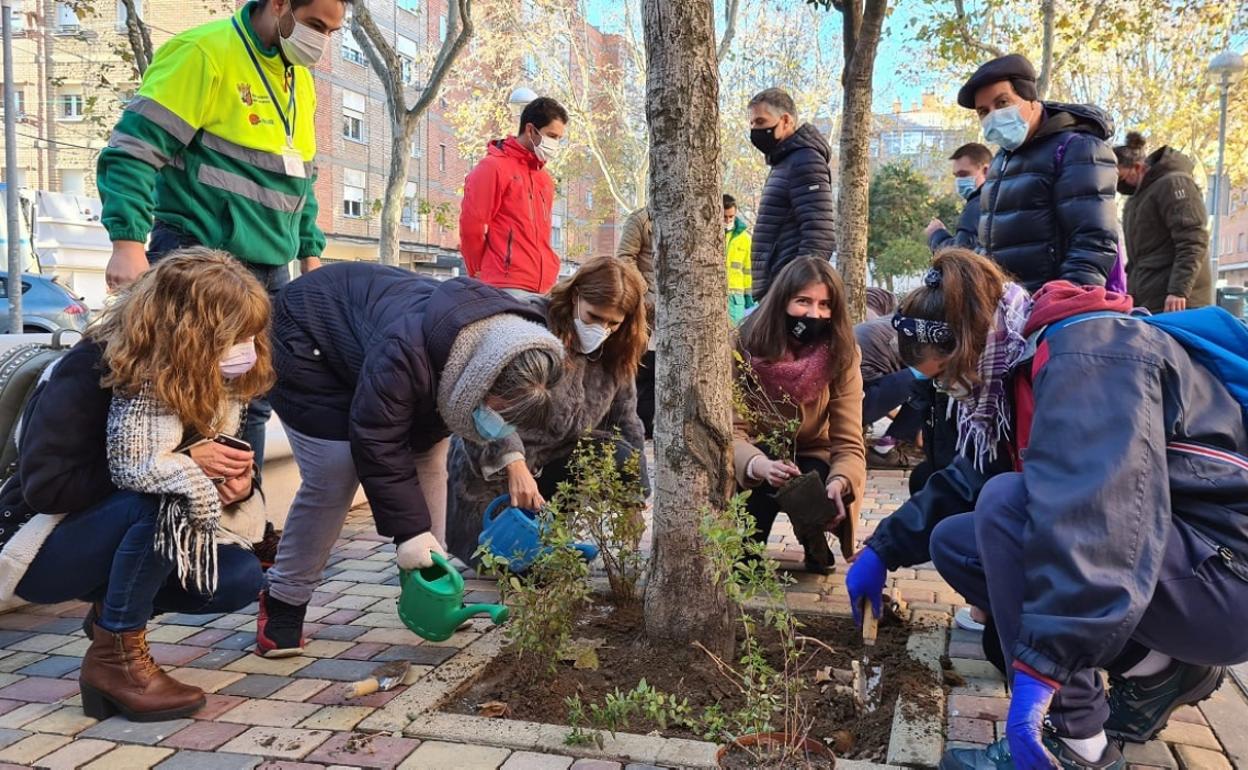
[
  {"x": 797, "y": 211},
  {"x": 1047, "y": 209},
  {"x": 970, "y": 171}
]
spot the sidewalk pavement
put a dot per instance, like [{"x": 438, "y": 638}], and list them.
[{"x": 288, "y": 713}]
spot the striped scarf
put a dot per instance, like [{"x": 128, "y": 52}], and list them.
[
  {"x": 984, "y": 414},
  {"x": 143, "y": 436}
]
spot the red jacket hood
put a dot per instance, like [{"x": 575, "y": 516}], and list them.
[
  {"x": 1058, "y": 300},
  {"x": 511, "y": 148}
]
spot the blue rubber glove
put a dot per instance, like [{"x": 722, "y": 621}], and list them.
[
  {"x": 919, "y": 375},
  {"x": 866, "y": 580},
  {"x": 1024, "y": 724}
]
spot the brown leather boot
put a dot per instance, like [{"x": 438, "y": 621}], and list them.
[{"x": 119, "y": 675}]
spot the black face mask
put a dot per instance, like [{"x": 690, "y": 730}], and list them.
[
  {"x": 807, "y": 330},
  {"x": 764, "y": 139},
  {"x": 1126, "y": 188}
]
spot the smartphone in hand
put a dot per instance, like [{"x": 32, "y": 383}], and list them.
[{"x": 232, "y": 442}]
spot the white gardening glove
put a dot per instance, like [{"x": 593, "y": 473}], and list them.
[{"x": 417, "y": 553}]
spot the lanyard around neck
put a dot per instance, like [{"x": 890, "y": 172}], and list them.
[{"x": 287, "y": 124}]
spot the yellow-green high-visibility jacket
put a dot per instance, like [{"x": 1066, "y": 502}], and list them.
[
  {"x": 738, "y": 255},
  {"x": 201, "y": 146}
]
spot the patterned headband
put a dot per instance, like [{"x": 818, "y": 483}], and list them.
[{"x": 924, "y": 331}]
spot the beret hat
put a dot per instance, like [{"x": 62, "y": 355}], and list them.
[{"x": 1014, "y": 68}]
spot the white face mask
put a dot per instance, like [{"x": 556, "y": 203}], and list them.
[
  {"x": 548, "y": 149},
  {"x": 305, "y": 46},
  {"x": 589, "y": 336}
]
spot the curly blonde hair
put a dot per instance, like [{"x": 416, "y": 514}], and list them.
[{"x": 170, "y": 329}]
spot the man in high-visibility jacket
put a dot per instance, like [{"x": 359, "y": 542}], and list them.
[
  {"x": 217, "y": 149},
  {"x": 737, "y": 246}
]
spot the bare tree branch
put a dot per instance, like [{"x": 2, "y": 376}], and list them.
[
  {"x": 964, "y": 31},
  {"x": 730, "y": 28},
  {"x": 1048, "y": 14},
  {"x": 1098, "y": 12},
  {"x": 458, "y": 31}
]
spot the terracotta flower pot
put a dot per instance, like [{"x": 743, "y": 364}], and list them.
[
  {"x": 805, "y": 500},
  {"x": 811, "y": 747}
]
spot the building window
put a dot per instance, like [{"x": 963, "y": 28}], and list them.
[
  {"x": 411, "y": 207},
  {"x": 441, "y": 157},
  {"x": 19, "y": 99},
  {"x": 442, "y": 28},
  {"x": 589, "y": 199},
  {"x": 353, "y": 106},
  {"x": 66, "y": 20},
  {"x": 408, "y": 53},
  {"x": 123, "y": 14},
  {"x": 556, "y": 232},
  {"x": 74, "y": 181},
  {"x": 1243, "y": 242},
  {"x": 411, "y": 6},
  {"x": 351, "y": 50},
  {"x": 71, "y": 107},
  {"x": 17, "y": 17},
  {"x": 418, "y": 148},
  {"x": 353, "y": 183}
]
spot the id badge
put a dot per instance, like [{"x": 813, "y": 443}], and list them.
[{"x": 294, "y": 163}]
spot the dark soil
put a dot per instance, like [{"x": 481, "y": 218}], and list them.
[{"x": 626, "y": 657}]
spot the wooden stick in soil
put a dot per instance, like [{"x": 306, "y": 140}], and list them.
[{"x": 870, "y": 623}]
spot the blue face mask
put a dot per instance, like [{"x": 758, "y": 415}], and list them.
[
  {"x": 1006, "y": 127},
  {"x": 966, "y": 186},
  {"x": 490, "y": 424}
]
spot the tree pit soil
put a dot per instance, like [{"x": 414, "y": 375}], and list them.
[{"x": 516, "y": 689}]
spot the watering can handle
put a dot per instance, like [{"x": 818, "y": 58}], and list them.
[{"x": 494, "y": 506}]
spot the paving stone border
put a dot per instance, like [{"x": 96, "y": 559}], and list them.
[{"x": 917, "y": 737}]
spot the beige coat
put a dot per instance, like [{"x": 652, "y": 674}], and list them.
[{"x": 831, "y": 431}]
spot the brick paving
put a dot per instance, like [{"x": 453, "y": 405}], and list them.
[{"x": 290, "y": 713}]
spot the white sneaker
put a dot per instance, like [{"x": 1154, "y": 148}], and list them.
[{"x": 963, "y": 620}]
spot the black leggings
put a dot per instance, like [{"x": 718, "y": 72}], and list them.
[{"x": 763, "y": 507}]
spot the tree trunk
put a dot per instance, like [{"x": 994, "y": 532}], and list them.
[
  {"x": 402, "y": 127},
  {"x": 684, "y": 603},
  {"x": 855, "y": 154}
]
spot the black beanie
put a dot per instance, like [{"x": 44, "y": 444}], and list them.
[{"x": 1014, "y": 68}]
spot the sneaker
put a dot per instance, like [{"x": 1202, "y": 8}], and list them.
[
  {"x": 963, "y": 620},
  {"x": 266, "y": 549},
  {"x": 997, "y": 757},
  {"x": 1139, "y": 707},
  {"x": 893, "y": 460},
  {"x": 279, "y": 628}
]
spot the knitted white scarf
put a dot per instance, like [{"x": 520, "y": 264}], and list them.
[{"x": 143, "y": 434}]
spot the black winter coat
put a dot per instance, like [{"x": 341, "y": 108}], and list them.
[
  {"x": 967, "y": 235},
  {"x": 359, "y": 350},
  {"x": 797, "y": 211},
  {"x": 62, "y": 464},
  {"x": 1045, "y": 218}
]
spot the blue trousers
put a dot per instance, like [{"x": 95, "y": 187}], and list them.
[
  {"x": 273, "y": 278},
  {"x": 1195, "y": 613},
  {"x": 107, "y": 554}
]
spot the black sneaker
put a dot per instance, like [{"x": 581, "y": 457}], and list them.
[
  {"x": 997, "y": 757},
  {"x": 1139, "y": 707},
  {"x": 279, "y": 628}
]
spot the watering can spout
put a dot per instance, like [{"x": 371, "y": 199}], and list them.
[{"x": 497, "y": 612}]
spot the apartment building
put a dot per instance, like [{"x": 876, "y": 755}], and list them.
[
  {"x": 1233, "y": 249},
  {"x": 73, "y": 80}
]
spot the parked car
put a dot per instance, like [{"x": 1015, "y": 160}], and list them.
[{"x": 46, "y": 305}]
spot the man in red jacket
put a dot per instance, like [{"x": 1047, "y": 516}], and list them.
[{"x": 504, "y": 220}]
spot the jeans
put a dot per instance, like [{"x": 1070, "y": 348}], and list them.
[
  {"x": 273, "y": 278},
  {"x": 1192, "y": 615},
  {"x": 107, "y": 554}
]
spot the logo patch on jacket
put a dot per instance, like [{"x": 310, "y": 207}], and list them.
[
  {"x": 244, "y": 93},
  {"x": 1180, "y": 194}
]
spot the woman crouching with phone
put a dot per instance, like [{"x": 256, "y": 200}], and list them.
[{"x": 109, "y": 506}]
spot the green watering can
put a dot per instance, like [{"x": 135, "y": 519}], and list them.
[{"x": 432, "y": 601}]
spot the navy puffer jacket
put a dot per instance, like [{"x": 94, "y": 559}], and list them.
[
  {"x": 797, "y": 212},
  {"x": 1045, "y": 217},
  {"x": 359, "y": 350}
]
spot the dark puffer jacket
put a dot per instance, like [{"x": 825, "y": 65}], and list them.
[
  {"x": 1045, "y": 217},
  {"x": 797, "y": 212},
  {"x": 1167, "y": 243},
  {"x": 359, "y": 349}
]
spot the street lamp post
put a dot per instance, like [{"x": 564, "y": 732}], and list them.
[
  {"x": 1226, "y": 66},
  {"x": 13, "y": 226},
  {"x": 519, "y": 99}
]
